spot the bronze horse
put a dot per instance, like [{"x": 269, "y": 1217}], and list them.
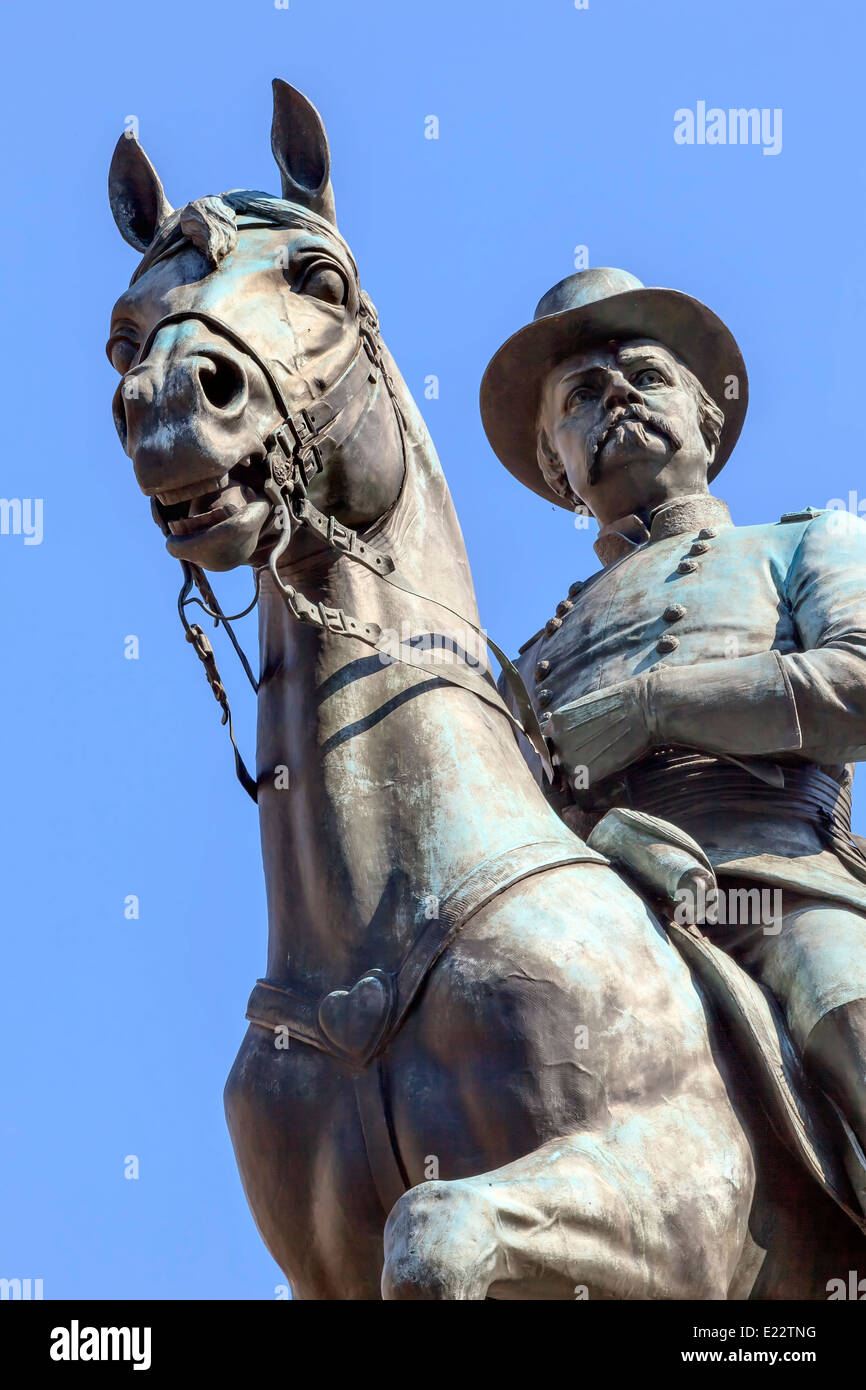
[{"x": 473, "y": 1038}]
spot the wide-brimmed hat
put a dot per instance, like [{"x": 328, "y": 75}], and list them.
[{"x": 601, "y": 305}]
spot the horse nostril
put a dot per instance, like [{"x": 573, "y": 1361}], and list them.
[
  {"x": 222, "y": 381},
  {"x": 118, "y": 411}
]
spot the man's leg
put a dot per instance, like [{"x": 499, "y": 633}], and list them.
[
  {"x": 835, "y": 1054},
  {"x": 813, "y": 959}
]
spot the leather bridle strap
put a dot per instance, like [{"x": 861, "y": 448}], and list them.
[
  {"x": 225, "y": 330},
  {"x": 344, "y": 539},
  {"x": 205, "y": 653},
  {"x": 338, "y": 620},
  {"x": 301, "y": 435},
  {"x": 300, "y": 446}
]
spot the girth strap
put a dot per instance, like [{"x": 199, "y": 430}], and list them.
[
  {"x": 355, "y": 1026},
  {"x": 383, "y": 1153}
]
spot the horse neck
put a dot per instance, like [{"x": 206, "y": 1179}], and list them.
[{"x": 379, "y": 786}]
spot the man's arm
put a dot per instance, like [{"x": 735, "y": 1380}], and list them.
[
  {"x": 813, "y": 702},
  {"x": 810, "y": 703}
]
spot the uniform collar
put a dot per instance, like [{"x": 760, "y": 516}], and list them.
[{"x": 619, "y": 538}]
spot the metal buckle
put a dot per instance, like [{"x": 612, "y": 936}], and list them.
[
  {"x": 295, "y": 439},
  {"x": 301, "y": 428},
  {"x": 372, "y": 345},
  {"x": 279, "y": 437},
  {"x": 339, "y": 535},
  {"x": 333, "y": 619},
  {"x": 295, "y": 433},
  {"x": 309, "y": 462}
]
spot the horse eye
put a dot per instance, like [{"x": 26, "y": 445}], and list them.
[
  {"x": 121, "y": 353},
  {"x": 324, "y": 282}
]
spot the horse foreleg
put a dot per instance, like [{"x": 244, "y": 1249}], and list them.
[{"x": 650, "y": 1209}]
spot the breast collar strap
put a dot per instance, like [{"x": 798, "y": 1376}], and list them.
[
  {"x": 298, "y": 448},
  {"x": 356, "y": 1026}
]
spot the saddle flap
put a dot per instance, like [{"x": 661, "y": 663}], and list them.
[
  {"x": 798, "y": 1112},
  {"x": 665, "y": 861}
]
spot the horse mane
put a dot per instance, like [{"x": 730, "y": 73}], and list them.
[{"x": 211, "y": 224}]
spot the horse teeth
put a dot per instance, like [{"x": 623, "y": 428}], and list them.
[
  {"x": 192, "y": 490},
  {"x": 186, "y": 525}
]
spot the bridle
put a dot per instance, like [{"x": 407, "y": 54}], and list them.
[{"x": 301, "y": 445}]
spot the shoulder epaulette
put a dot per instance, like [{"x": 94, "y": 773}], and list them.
[{"x": 805, "y": 515}]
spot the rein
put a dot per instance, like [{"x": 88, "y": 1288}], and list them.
[{"x": 302, "y": 445}]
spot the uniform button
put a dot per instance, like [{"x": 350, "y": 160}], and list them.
[
  {"x": 544, "y": 697},
  {"x": 552, "y": 625},
  {"x": 699, "y": 548},
  {"x": 575, "y": 588},
  {"x": 674, "y": 612},
  {"x": 564, "y": 607},
  {"x": 544, "y": 718},
  {"x": 685, "y": 567},
  {"x": 659, "y": 666},
  {"x": 708, "y": 533},
  {"x": 542, "y": 669},
  {"x": 667, "y": 643}
]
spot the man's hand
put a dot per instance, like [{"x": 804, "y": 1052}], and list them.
[
  {"x": 740, "y": 707},
  {"x": 603, "y": 732}
]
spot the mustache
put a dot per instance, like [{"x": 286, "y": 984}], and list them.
[{"x": 635, "y": 414}]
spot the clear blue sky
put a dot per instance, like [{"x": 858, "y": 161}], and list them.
[{"x": 556, "y": 130}]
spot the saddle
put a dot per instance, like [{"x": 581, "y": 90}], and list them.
[
  {"x": 356, "y": 1025},
  {"x": 668, "y": 867}
]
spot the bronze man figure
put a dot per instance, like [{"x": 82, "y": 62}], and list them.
[{"x": 709, "y": 674}]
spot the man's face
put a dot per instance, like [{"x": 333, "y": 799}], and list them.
[{"x": 625, "y": 422}]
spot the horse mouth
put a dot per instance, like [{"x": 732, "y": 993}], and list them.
[{"x": 197, "y": 507}]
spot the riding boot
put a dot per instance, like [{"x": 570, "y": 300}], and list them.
[{"x": 835, "y": 1056}]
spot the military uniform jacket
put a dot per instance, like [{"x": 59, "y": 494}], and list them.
[{"x": 756, "y": 640}]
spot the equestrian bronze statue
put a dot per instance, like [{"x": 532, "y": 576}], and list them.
[{"x": 486, "y": 1058}]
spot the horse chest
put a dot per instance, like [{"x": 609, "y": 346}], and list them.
[{"x": 294, "y": 1125}]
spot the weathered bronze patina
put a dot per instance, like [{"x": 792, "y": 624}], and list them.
[{"x": 476, "y": 1064}]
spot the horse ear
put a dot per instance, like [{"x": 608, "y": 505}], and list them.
[
  {"x": 137, "y": 198},
  {"x": 300, "y": 148}
]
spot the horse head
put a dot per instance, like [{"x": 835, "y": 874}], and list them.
[{"x": 250, "y": 361}]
